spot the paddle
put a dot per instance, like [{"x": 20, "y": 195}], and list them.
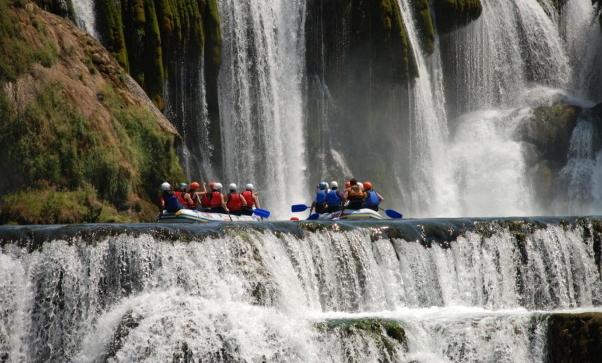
[
  {"x": 263, "y": 213},
  {"x": 299, "y": 208},
  {"x": 392, "y": 214},
  {"x": 313, "y": 217}
]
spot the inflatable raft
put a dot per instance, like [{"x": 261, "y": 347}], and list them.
[
  {"x": 193, "y": 216},
  {"x": 348, "y": 214}
]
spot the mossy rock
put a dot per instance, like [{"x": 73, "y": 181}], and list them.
[
  {"x": 549, "y": 129},
  {"x": 424, "y": 24},
  {"x": 387, "y": 333},
  {"x": 575, "y": 337},
  {"x": 453, "y": 14},
  {"x": 80, "y": 144}
]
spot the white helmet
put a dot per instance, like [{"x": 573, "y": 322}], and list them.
[
  {"x": 334, "y": 184},
  {"x": 218, "y": 186},
  {"x": 249, "y": 186},
  {"x": 323, "y": 185},
  {"x": 232, "y": 187},
  {"x": 165, "y": 187},
  {"x": 361, "y": 185}
]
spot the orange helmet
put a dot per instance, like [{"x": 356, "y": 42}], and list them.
[
  {"x": 367, "y": 185},
  {"x": 194, "y": 186}
]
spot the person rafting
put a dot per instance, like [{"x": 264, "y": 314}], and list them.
[
  {"x": 234, "y": 201},
  {"x": 169, "y": 200},
  {"x": 205, "y": 197},
  {"x": 372, "y": 199},
  {"x": 217, "y": 203},
  {"x": 251, "y": 198},
  {"x": 183, "y": 195},
  {"x": 319, "y": 204},
  {"x": 354, "y": 196},
  {"x": 193, "y": 200},
  {"x": 334, "y": 198}
]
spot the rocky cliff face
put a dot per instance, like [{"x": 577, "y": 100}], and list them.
[{"x": 80, "y": 139}]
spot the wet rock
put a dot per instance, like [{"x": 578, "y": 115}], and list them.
[
  {"x": 575, "y": 337},
  {"x": 452, "y": 14}
]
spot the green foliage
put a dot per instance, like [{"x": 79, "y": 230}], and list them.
[
  {"x": 146, "y": 36},
  {"x": 50, "y": 143},
  {"x": 17, "y": 55}
]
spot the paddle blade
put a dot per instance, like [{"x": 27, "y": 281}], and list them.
[
  {"x": 263, "y": 213},
  {"x": 393, "y": 214},
  {"x": 299, "y": 208},
  {"x": 314, "y": 217}
]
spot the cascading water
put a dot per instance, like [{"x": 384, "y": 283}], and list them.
[
  {"x": 261, "y": 98},
  {"x": 430, "y": 188},
  {"x": 85, "y": 15},
  {"x": 285, "y": 293}
]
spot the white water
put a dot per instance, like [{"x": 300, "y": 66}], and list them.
[
  {"x": 261, "y": 100},
  {"x": 85, "y": 15},
  {"x": 431, "y": 188},
  {"x": 258, "y": 294}
]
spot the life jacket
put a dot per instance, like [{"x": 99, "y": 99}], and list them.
[
  {"x": 180, "y": 196},
  {"x": 172, "y": 204},
  {"x": 206, "y": 200},
  {"x": 216, "y": 199},
  {"x": 355, "y": 193},
  {"x": 193, "y": 203},
  {"x": 372, "y": 200},
  {"x": 321, "y": 197},
  {"x": 249, "y": 198},
  {"x": 333, "y": 198},
  {"x": 234, "y": 202}
]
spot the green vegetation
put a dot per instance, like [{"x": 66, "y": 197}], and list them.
[
  {"x": 62, "y": 158},
  {"x": 17, "y": 55},
  {"x": 59, "y": 165},
  {"x": 146, "y": 36}
]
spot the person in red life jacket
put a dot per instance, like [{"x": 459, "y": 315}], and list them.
[
  {"x": 205, "y": 197},
  {"x": 169, "y": 200},
  {"x": 217, "y": 203},
  {"x": 183, "y": 195},
  {"x": 234, "y": 201},
  {"x": 372, "y": 199},
  {"x": 194, "y": 200},
  {"x": 251, "y": 198}
]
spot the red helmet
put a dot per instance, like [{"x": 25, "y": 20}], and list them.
[
  {"x": 367, "y": 185},
  {"x": 194, "y": 186}
]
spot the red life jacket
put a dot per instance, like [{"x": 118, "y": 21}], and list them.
[
  {"x": 206, "y": 200},
  {"x": 180, "y": 196},
  {"x": 216, "y": 199},
  {"x": 249, "y": 198},
  {"x": 192, "y": 204},
  {"x": 234, "y": 202}
]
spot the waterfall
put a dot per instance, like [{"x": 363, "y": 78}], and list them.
[
  {"x": 430, "y": 185},
  {"x": 85, "y": 16},
  {"x": 283, "y": 292},
  {"x": 261, "y": 98}
]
